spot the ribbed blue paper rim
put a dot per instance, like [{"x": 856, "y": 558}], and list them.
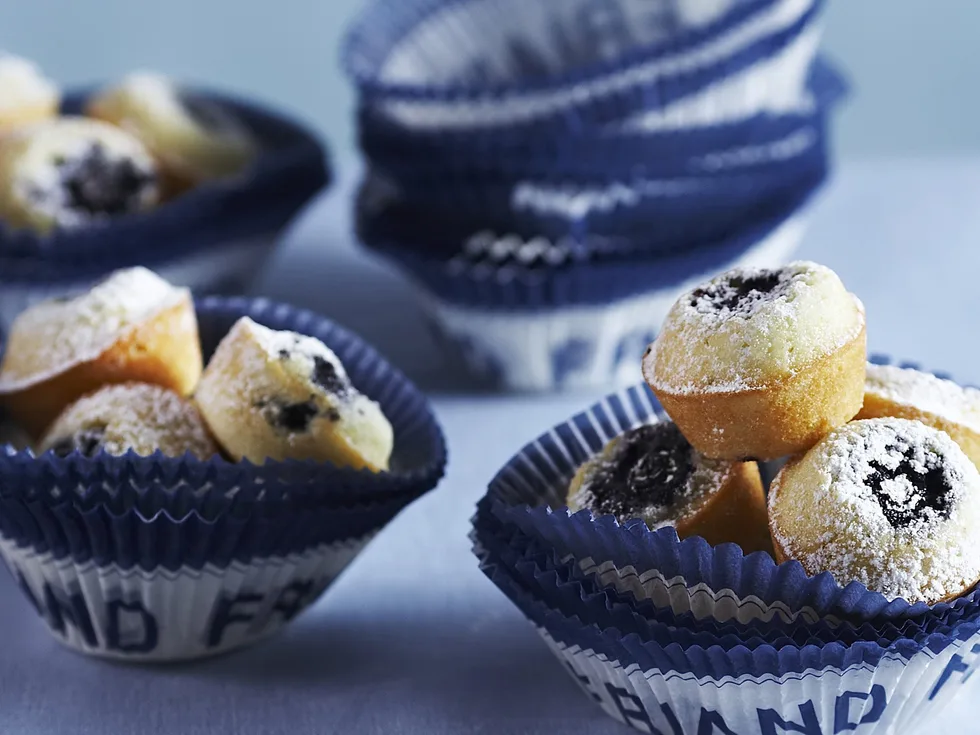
[
  {"x": 382, "y": 25},
  {"x": 145, "y": 498},
  {"x": 605, "y": 611},
  {"x": 529, "y": 493},
  {"x": 762, "y": 145},
  {"x": 129, "y": 539},
  {"x": 645, "y": 216},
  {"x": 566, "y": 589},
  {"x": 749, "y": 145},
  {"x": 582, "y": 284},
  {"x": 289, "y": 171},
  {"x": 388, "y": 21},
  {"x": 594, "y": 153},
  {"x": 715, "y": 662}
]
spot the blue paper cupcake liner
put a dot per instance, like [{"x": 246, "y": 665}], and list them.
[
  {"x": 607, "y": 610},
  {"x": 827, "y": 688},
  {"x": 560, "y": 99},
  {"x": 163, "y": 615},
  {"x": 647, "y": 218},
  {"x": 760, "y": 144},
  {"x": 529, "y": 493},
  {"x": 213, "y": 239},
  {"x": 745, "y": 144},
  {"x": 114, "y": 534},
  {"x": 799, "y": 658},
  {"x": 206, "y": 555},
  {"x": 565, "y": 588},
  {"x": 631, "y": 272}
]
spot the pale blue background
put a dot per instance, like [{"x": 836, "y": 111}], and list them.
[{"x": 913, "y": 64}]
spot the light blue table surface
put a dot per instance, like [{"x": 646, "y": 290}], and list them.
[{"x": 413, "y": 638}]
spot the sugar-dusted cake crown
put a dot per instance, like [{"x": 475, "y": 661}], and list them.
[{"x": 750, "y": 327}]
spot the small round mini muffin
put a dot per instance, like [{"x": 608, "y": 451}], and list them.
[
  {"x": 761, "y": 363},
  {"x": 193, "y": 138},
  {"x": 140, "y": 417},
  {"x": 652, "y": 472},
  {"x": 891, "y": 503},
  {"x": 71, "y": 172},
  {"x": 26, "y": 95},
  {"x": 910, "y": 394},
  {"x": 132, "y": 327},
  {"x": 282, "y": 395}
]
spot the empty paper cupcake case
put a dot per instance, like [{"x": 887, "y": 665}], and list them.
[
  {"x": 565, "y": 323},
  {"x": 161, "y": 558},
  {"x": 571, "y": 155},
  {"x": 645, "y": 217},
  {"x": 666, "y": 142},
  {"x": 549, "y": 68}
]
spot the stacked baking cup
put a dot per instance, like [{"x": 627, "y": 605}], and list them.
[
  {"x": 161, "y": 558},
  {"x": 551, "y": 175},
  {"x": 671, "y": 633}
]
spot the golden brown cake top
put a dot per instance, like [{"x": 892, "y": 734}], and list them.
[
  {"x": 54, "y": 336},
  {"x": 178, "y": 126},
  {"x": 750, "y": 327},
  {"x": 890, "y": 503},
  {"x": 925, "y": 392}
]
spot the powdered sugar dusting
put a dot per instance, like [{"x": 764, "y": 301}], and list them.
[
  {"x": 749, "y": 327},
  {"x": 297, "y": 350},
  {"x": 137, "y": 416},
  {"x": 53, "y": 336},
  {"x": 899, "y": 510},
  {"x": 927, "y": 393},
  {"x": 251, "y": 352}
]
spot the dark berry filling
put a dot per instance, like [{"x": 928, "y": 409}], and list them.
[
  {"x": 326, "y": 377},
  {"x": 650, "y": 465},
  {"x": 97, "y": 184},
  {"x": 931, "y": 489},
  {"x": 740, "y": 293},
  {"x": 293, "y": 417},
  {"x": 296, "y": 417},
  {"x": 86, "y": 442}
]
